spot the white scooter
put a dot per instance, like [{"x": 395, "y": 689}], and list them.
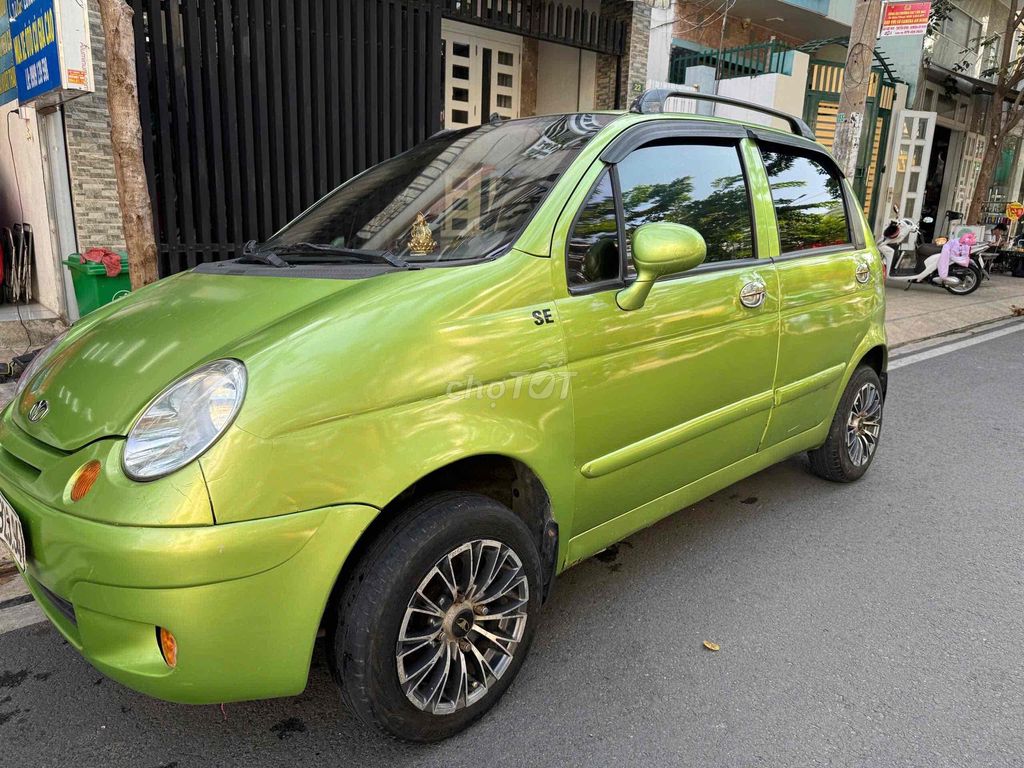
[{"x": 925, "y": 266}]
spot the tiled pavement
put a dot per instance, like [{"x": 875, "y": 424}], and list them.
[{"x": 926, "y": 311}]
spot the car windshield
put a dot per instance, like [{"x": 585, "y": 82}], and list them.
[{"x": 462, "y": 194}]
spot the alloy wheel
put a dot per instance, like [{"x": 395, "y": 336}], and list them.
[
  {"x": 462, "y": 626},
  {"x": 864, "y": 425}
]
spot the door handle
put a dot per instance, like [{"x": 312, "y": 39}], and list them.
[
  {"x": 863, "y": 273},
  {"x": 753, "y": 294}
]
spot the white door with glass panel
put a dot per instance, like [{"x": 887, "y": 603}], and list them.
[
  {"x": 481, "y": 75},
  {"x": 911, "y": 152},
  {"x": 967, "y": 174}
]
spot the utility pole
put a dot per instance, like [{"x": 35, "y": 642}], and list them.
[{"x": 867, "y": 15}]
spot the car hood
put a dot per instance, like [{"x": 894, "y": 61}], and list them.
[{"x": 114, "y": 362}]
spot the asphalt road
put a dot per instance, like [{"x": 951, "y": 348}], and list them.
[{"x": 875, "y": 624}]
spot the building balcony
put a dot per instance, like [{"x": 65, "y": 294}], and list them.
[
  {"x": 944, "y": 53},
  {"x": 743, "y": 61}
]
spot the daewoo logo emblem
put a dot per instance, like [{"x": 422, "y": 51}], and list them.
[{"x": 37, "y": 411}]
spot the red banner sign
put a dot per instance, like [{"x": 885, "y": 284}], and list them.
[{"x": 905, "y": 19}]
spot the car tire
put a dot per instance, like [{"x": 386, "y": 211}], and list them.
[
  {"x": 382, "y": 612},
  {"x": 852, "y": 440}
]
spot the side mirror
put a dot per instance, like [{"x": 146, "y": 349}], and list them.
[{"x": 660, "y": 248}]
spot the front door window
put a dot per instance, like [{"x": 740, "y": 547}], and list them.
[
  {"x": 699, "y": 185},
  {"x": 594, "y": 241}
]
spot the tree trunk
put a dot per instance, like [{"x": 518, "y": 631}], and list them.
[
  {"x": 126, "y": 137},
  {"x": 993, "y": 148}
]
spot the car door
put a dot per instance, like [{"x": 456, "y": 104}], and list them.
[
  {"x": 667, "y": 394},
  {"x": 828, "y": 299}
]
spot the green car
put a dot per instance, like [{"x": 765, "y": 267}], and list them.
[{"x": 458, "y": 374}]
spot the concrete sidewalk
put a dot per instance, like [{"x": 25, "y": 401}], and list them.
[{"x": 926, "y": 311}]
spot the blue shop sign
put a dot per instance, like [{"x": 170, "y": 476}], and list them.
[
  {"x": 8, "y": 78},
  {"x": 36, "y": 50}
]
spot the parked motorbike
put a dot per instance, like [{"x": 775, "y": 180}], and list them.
[{"x": 925, "y": 266}]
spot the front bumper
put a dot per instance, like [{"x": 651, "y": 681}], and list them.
[{"x": 244, "y": 600}]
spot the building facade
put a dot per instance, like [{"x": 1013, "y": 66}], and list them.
[
  {"x": 921, "y": 147},
  {"x": 790, "y": 55},
  {"x": 957, "y": 76},
  {"x": 253, "y": 109}
]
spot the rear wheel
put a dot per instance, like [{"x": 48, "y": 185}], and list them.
[
  {"x": 970, "y": 280},
  {"x": 438, "y": 617},
  {"x": 856, "y": 427}
]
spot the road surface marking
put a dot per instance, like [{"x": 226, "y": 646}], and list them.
[
  {"x": 17, "y": 607},
  {"x": 19, "y": 616},
  {"x": 1013, "y": 326}
]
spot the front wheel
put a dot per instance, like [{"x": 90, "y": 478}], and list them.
[
  {"x": 856, "y": 427},
  {"x": 438, "y": 617},
  {"x": 970, "y": 280}
]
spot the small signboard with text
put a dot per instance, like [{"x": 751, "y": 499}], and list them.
[
  {"x": 52, "y": 54},
  {"x": 1014, "y": 211},
  {"x": 8, "y": 78},
  {"x": 904, "y": 19}
]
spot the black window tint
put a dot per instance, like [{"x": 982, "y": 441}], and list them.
[
  {"x": 594, "y": 241},
  {"x": 808, "y": 199},
  {"x": 699, "y": 185}
]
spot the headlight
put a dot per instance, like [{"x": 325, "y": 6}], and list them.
[
  {"x": 184, "y": 420},
  {"x": 37, "y": 362}
]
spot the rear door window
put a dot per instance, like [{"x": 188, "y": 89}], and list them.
[{"x": 810, "y": 208}]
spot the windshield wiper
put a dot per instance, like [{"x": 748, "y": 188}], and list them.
[
  {"x": 324, "y": 250},
  {"x": 251, "y": 254}
]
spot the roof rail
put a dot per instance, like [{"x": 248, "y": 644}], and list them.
[{"x": 653, "y": 102}]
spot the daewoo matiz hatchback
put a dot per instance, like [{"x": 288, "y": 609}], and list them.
[{"x": 455, "y": 376}]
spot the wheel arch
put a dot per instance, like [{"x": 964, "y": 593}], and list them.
[
  {"x": 878, "y": 358},
  {"x": 507, "y": 480}
]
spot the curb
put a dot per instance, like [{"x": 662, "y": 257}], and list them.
[{"x": 953, "y": 331}]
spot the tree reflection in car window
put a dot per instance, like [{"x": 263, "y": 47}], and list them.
[
  {"x": 808, "y": 200},
  {"x": 699, "y": 185}
]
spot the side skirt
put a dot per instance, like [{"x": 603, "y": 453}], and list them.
[{"x": 593, "y": 541}]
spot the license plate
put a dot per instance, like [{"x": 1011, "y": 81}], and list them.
[{"x": 11, "y": 533}]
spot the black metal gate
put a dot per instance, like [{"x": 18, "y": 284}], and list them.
[{"x": 256, "y": 108}]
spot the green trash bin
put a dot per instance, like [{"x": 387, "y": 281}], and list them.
[{"x": 93, "y": 288}]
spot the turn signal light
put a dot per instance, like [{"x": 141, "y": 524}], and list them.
[
  {"x": 168, "y": 646},
  {"x": 84, "y": 479}
]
